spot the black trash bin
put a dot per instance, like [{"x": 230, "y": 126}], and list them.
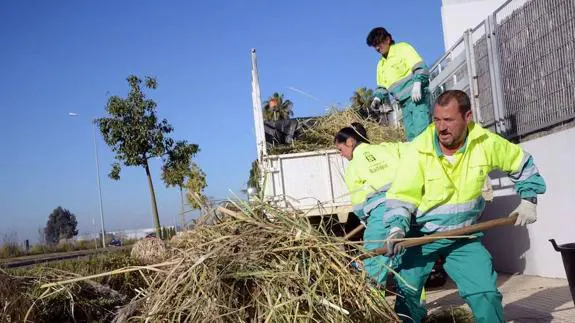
[{"x": 568, "y": 254}]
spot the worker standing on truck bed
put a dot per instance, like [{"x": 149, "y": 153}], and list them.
[
  {"x": 402, "y": 73},
  {"x": 437, "y": 188},
  {"x": 368, "y": 177}
]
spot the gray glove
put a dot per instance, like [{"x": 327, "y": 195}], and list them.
[{"x": 394, "y": 248}]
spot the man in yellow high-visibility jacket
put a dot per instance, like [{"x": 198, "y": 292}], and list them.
[
  {"x": 437, "y": 188},
  {"x": 401, "y": 72}
]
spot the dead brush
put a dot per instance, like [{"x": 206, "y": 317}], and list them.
[
  {"x": 319, "y": 135},
  {"x": 252, "y": 267},
  {"x": 14, "y": 302},
  {"x": 150, "y": 250},
  {"x": 254, "y": 264}
]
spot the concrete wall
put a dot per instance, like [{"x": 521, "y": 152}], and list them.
[
  {"x": 527, "y": 249},
  {"x": 460, "y": 15}
]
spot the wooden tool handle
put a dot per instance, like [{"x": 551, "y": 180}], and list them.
[
  {"x": 445, "y": 234},
  {"x": 354, "y": 232}
]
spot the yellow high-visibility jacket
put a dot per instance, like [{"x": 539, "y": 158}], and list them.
[
  {"x": 402, "y": 66},
  {"x": 369, "y": 174},
  {"x": 444, "y": 195}
]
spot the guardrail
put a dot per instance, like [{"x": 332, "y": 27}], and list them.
[{"x": 38, "y": 259}]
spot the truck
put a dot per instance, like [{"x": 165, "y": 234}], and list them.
[
  {"x": 513, "y": 93},
  {"x": 308, "y": 183}
]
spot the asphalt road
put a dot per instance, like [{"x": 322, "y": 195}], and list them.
[{"x": 44, "y": 258}]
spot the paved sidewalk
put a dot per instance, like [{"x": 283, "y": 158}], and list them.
[{"x": 525, "y": 299}]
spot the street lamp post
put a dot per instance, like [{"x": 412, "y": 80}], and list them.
[{"x": 72, "y": 114}]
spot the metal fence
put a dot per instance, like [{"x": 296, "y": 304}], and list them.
[{"x": 518, "y": 65}]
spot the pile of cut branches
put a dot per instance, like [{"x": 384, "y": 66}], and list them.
[{"x": 320, "y": 133}]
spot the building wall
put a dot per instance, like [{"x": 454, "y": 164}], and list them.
[
  {"x": 460, "y": 15},
  {"x": 527, "y": 249}
]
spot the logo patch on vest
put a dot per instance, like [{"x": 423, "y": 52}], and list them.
[{"x": 369, "y": 157}]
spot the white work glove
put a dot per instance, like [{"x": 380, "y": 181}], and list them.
[
  {"x": 416, "y": 92},
  {"x": 526, "y": 213},
  {"x": 375, "y": 104},
  {"x": 378, "y": 106},
  {"x": 393, "y": 248}
]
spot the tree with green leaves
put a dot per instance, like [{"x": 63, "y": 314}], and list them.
[
  {"x": 195, "y": 188},
  {"x": 179, "y": 170},
  {"x": 135, "y": 133},
  {"x": 276, "y": 108},
  {"x": 361, "y": 100},
  {"x": 62, "y": 224},
  {"x": 253, "y": 180}
]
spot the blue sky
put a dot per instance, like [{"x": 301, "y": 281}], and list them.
[{"x": 67, "y": 56}]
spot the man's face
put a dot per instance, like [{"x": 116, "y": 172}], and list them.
[
  {"x": 450, "y": 124},
  {"x": 383, "y": 47}
]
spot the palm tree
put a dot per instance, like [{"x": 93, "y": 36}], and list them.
[
  {"x": 361, "y": 100},
  {"x": 275, "y": 108}
]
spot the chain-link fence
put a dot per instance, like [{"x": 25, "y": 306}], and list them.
[{"x": 519, "y": 67}]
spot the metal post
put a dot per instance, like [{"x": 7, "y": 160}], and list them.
[
  {"x": 495, "y": 73},
  {"x": 495, "y": 102},
  {"x": 257, "y": 109},
  {"x": 258, "y": 122},
  {"x": 472, "y": 75},
  {"x": 95, "y": 231},
  {"x": 99, "y": 189}
]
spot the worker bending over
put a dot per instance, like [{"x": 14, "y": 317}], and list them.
[
  {"x": 438, "y": 186},
  {"x": 368, "y": 177},
  {"x": 401, "y": 72}
]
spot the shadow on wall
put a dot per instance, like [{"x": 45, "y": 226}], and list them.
[{"x": 508, "y": 244}]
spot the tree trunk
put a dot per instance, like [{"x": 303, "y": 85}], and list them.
[
  {"x": 154, "y": 204},
  {"x": 182, "y": 216}
]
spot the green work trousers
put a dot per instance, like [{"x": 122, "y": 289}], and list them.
[
  {"x": 416, "y": 116},
  {"x": 467, "y": 262},
  {"x": 376, "y": 267}
]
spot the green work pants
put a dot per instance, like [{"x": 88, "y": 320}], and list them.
[
  {"x": 377, "y": 267},
  {"x": 467, "y": 262},
  {"x": 415, "y": 116}
]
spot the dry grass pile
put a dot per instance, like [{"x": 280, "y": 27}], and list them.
[
  {"x": 13, "y": 300},
  {"x": 247, "y": 268},
  {"x": 150, "y": 251},
  {"x": 451, "y": 315},
  {"x": 320, "y": 134},
  {"x": 23, "y": 299}
]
